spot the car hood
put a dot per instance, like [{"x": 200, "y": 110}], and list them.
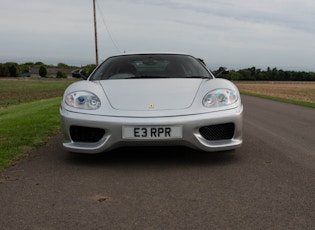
[{"x": 151, "y": 94}]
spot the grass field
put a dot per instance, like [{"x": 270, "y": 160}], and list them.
[
  {"x": 29, "y": 109},
  {"x": 27, "y": 126},
  {"x": 15, "y": 91},
  {"x": 300, "y": 93}
]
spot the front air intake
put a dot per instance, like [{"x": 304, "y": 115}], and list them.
[
  {"x": 86, "y": 134},
  {"x": 218, "y": 132}
]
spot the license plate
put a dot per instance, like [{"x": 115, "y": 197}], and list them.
[{"x": 152, "y": 132}]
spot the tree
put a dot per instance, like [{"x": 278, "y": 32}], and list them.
[
  {"x": 13, "y": 69},
  {"x": 42, "y": 71},
  {"x": 4, "y": 72},
  {"x": 88, "y": 69},
  {"x": 61, "y": 74},
  {"x": 62, "y": 65}
]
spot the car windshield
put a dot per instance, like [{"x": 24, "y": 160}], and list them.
[{"x": 151, "y": 66}]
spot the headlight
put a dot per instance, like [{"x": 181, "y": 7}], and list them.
[
  {"x": 219, "y": 97},
  {"x": 83, "y": 100}
]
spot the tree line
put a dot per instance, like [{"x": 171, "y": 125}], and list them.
[
  {"x": 254, "y": 74},
  {"x": 12, "y": 69}
]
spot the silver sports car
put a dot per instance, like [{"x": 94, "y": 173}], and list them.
[{"x": 151, "y": 99}]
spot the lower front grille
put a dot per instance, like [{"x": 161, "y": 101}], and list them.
[
  {"x": 218, "y": 132},
  {"x": 86, "y": 134}
]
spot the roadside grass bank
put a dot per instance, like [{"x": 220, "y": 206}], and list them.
[
  {"x": 29, "y": 115},
  {"x": 298, "y": 93},
  {"x": 286, "y": 100},
  {"x": 25, "y": 127}
]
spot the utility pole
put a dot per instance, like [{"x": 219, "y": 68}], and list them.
[{"x": 95, "y": 34}]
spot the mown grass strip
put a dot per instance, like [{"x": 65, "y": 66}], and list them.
[
  {"x": 295, "y": 102},
  {"x": 26, "y": 126}
]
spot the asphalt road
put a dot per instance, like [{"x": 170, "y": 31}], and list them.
[{"x": 269, "y": 183}]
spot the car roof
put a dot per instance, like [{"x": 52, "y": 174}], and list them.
[{"x": 148, "y": 53}]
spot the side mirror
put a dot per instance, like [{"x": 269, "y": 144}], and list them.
[
  {"x": 82, "y": 74},
  {"x": 222, "y": 70},
  {"x": 79, "y": 73}
]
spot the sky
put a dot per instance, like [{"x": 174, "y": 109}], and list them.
[{"x": 236, "y": 34}]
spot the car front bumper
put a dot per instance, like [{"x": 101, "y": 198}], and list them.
[{"x": 189, "y": 124}]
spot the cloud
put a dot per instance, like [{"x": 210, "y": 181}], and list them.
[
  {"x": 240, "y": 33},
  {"x": 296, "y": 15}
]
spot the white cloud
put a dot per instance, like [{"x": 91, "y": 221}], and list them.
[{"x": 238, "y": 33}]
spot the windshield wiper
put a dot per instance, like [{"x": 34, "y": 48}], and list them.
[
  {"x": 152, "y": 77},
  {"x": 144, "y": 76},
  {"x": 202, "y": 77}
]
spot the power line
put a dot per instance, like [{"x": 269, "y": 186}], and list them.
[
  {"x": 107, "y": 29},
  {"x": 95, "y": 33}
]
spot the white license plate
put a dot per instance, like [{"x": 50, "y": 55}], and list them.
[{"x": 152, "y": 132}]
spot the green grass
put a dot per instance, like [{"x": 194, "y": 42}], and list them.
[
  {"x": 25, "y": 127},
  {"x": 29, "y": 115},
  {"x": 16, "y": 91},
  {"x": 290, "y": 101}
]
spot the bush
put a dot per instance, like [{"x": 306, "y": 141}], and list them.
[
  {"x": 13, "y": 69},
  {"x": 4, "y": 72},
  {"x": 42, "y": 71},
  {"x": 88, "y": 69},
  {"x": 61, "y": 74}
]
